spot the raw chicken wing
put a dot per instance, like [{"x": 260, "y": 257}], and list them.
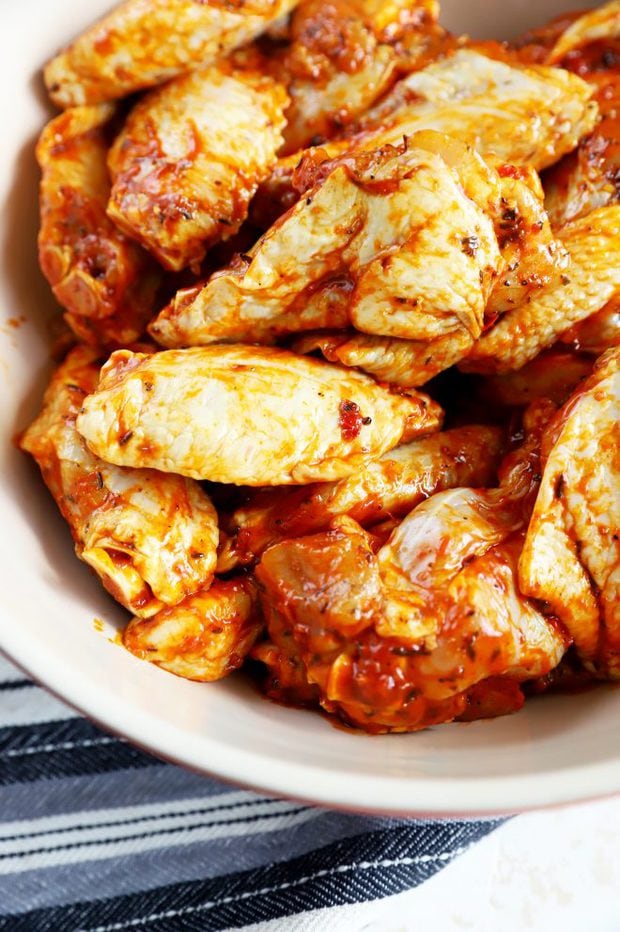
[
  {"x": 190, "y": 157},
  {"x": 246, "y": 415},
  {"x": 396, "y": 242},
  {"x": 571, "y": 557},
  {"x": 105, "y": 282},
  {"x": 395, "y": 641},
  {"x": 590, "y": 282},
  {"x": 206, "y": 636},
  {"x": 141, "y": 43},
  {"x": 151, "y": 538}
]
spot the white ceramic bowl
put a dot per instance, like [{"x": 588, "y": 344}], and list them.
[{"x": 556, "y": 750}]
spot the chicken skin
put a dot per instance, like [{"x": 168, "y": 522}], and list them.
[
  {"x": 390, "y": 486},
  {"x": 246, "y": 415},
  {"x": 151, "y": 538},
  {"x": 394, "y": 641},
  {"x": 141, "y": 43},
  {"x": 571, "y": 557},
  {"x": 105, "y": 282},
  {"x": 206, "y": 636},
  {"x": 189, "y": 158}
]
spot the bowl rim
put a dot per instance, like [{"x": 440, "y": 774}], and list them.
[{"x": 485, "y": 797}]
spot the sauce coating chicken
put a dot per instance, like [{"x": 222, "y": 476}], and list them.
[
  {"x": 571, "y": 557},
  {"x": 105, "y": 282},
  {"x": 151, "y": 538},
  {"x": 590, "y": 282},
  {"x": 589, "y": 45},
  {"x": 141, "y": 43},
  {"x": 390, "y": 486},
  {"x": 335, "y": 68},
  {"x": 409, "y": 244},
  {"x": 489, "y": 104},
  {"x": 381, "y": 242},
  {"x": 206, "y": 636},
  {"x": 483, "y": 102},
  {"x": 394, "y": 641},
  {"x": 189, "y": 158},
  {"x": 245, "y": 415},
  {"x": 344, "y": 55}
]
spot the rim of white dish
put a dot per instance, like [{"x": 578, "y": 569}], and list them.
[{"x": 486, "y": 797}]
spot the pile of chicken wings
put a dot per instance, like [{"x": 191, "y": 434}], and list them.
[{"x": 341, "y": 383}]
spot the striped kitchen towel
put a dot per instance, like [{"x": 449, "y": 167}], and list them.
[{"x": 97, "y": 835}]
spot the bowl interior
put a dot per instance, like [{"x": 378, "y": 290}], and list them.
[{"x": 557, "y": 749}]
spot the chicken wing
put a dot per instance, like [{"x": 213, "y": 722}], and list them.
[
  {"x": 588, "y": 177},
  {"x": 405, "y": 363},
  {"x": 190, "y": 157},
  {"x": 246, "y": 415},
  {"x": 141, "y": 43},
  {"x": 105, "y": 282},
  {"x": 597, "y": 333},
  {"x": 489, "y": 104},
  {"x": 206, "y": 636},
  {"x": 390, "y": 486},
  {"x": 395, "y": 641},
  {"x": 571, "y": 557},
  {"x": 554, "y": 374},
  {"x": 396, "y": 242},
  {"x": 335, "y": 69},
  {"x": 591, "y": 281},
  {"x": 600, "y": 23},
  {"x": 151, "y": 538}
]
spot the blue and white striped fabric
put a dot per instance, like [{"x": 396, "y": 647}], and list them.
[{"x": 97, "y": 836}]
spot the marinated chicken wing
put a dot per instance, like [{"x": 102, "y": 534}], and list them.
[
  {"x": 141, "y": 43},
  {"x": 190, "y": 157},
  {"x": 390, "y": 486},
  {"x": 588, "y": 177},
  {"x": 105, "y": 282},
  {"x": 394, "y": 641},
  {"x": 554, "y": 374},
  {"x": 600, "y": 23},
  {"x": 597, "y": 333},
  {"x": 151, "y": 538},
  {"x": 245, "y": 415},
  {"x": 410, "y": 244},
  {"x": 396, "y": 242},
  {"x": 591, "y": 281},
  {"x": 335, "y": 69},
  {"x": 571, "y": 557},
  {"x": 489, "y": 104},
  {"x": 206, "y": 636},
  {"x": 405, "y": 363},
  {"x": 344, "y": 55}
]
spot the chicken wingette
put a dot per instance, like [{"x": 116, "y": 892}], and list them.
[
  {"x": 414, "y": 243},
  {"x": 390, "y": 486},
  {"x": 591, "y": 281},
  {"x": 150, "y": 537},
  {"x": 189, "y": 158},
  {"x": 571, "y": 557},
  {"x": 246, "y": 415},
  {"x": 206, "y": 636},
  {"x": 105, "y": 282},
  {"x": 141, "y": 43},
  {"x": 412, "y": 635}
]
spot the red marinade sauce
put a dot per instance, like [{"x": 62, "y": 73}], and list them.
[{"x": 350, "y": 420}]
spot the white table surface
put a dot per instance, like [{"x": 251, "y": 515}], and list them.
[{"x": 540, "y": 872}]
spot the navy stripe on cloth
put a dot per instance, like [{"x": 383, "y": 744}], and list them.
[
  {"x": 71, "y": 747},
  {"x": 366, "y": 867}
]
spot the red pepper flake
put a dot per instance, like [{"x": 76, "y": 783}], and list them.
[{"x": 350, "y": 420}]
